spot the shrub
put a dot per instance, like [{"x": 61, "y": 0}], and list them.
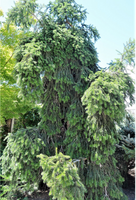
[
  {"x": 61, "y": 176},
  {"x": 20, "y": 166}
]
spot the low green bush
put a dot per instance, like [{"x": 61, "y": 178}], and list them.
[
  {"x": 20, "y": 167},
  {"x": 61, "y": 176}
]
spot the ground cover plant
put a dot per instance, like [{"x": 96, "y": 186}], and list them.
[{"x": 57, "y": 66}]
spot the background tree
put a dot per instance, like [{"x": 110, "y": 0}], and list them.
[
  {"x": 11, "y": 104},
  {"x": 125, "y": 151},
  {"x": 126, "y": 64},
  {"x": 57, "y": 64}
]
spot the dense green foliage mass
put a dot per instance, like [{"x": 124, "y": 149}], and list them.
[
  {"x": 20, "y": 165},
  {"x": 61, "y": 177},
  {"x": 125, "y": 150},
  {"x": 11, "y": 105},
  {"x": 29, "y": 119},
  {"x": 57, "y": 65}
]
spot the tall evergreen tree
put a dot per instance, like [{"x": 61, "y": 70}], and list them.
[{"x": 57, "y": 64}]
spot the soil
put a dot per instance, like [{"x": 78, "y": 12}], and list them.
[
  {"x": 129, "y": 191},
  {"x": 41, "y": 195}
]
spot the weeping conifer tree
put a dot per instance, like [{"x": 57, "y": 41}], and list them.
[{"x": 57, "y": 65}]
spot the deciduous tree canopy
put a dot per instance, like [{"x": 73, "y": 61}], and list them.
[{"x": 11, "y": 105}]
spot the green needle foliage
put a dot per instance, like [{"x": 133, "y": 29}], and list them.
[
  {"x": 57, "y": 65},
  {"x": 108, "y": 107},
  {"x": 20, "y": 166},
  {"x": 125, "y": 150},
  {"x": 61, "y": 175},
  {"x": 125, "y": 66},
  {"x": 29, "y": 119}
]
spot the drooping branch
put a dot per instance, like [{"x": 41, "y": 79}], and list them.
[
  {"x": 36, "y": 18},
  {"x": 9, "y": 59}
]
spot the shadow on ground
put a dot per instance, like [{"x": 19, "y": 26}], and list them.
[{"x": 130, "y": 190}]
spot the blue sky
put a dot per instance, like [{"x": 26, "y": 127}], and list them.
[{"x": 114, "y": 19}]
